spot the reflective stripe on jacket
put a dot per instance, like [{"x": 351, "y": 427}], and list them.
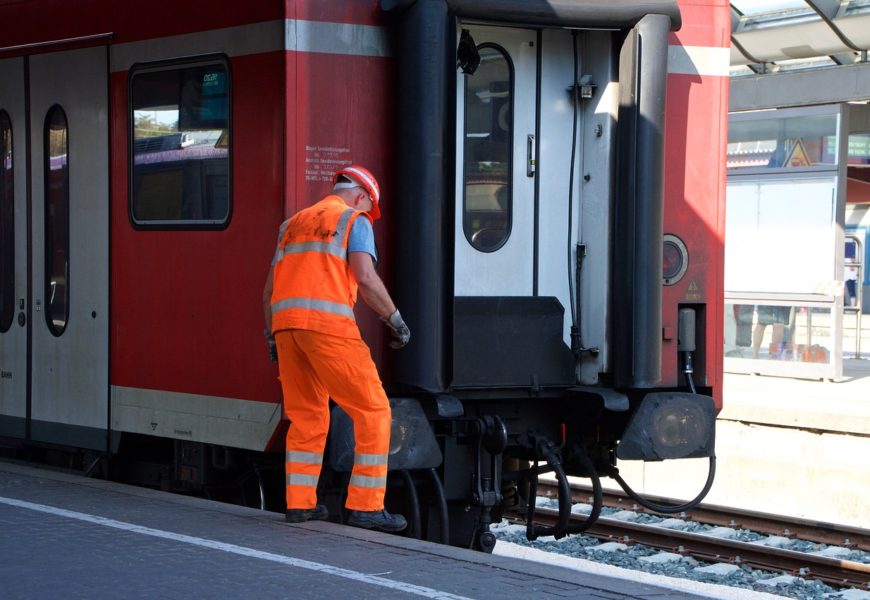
[{"x": 313, "y": 286}]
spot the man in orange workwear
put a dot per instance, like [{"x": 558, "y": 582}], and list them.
[{"x": 325, "y": 253}]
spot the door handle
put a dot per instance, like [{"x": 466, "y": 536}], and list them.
[{"x": 531, "y": 165}]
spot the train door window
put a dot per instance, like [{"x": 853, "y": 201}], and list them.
[
  {"x": 488, "y": 148},
  {"x": 180, "y": 145},
  {"x": 56, "y": 173},
  {"x": 7, "y": 225}
]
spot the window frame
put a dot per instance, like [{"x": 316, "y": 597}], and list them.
[
  {"x": 823, "y": 110},
  {"x": 48, "y": 253},
  {"x": 7, "y": 240},
  {"x": 171, "y": 65},
  {"x": 509, "y": 205}
]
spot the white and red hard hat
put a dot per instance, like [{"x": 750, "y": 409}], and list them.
[{"x": 363, "y": 178}]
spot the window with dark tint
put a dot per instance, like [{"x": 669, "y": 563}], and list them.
[
  {"x": 56, "y": 144},
  {"x": 180, "y": 172},
  {"x": 488, "y": 144},
  {"x": 7, "y": 225}
]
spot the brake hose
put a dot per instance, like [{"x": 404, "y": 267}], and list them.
[{"x": 669, "y": 509}]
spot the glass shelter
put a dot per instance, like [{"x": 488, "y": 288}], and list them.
[{"x": 784, "y": 282}]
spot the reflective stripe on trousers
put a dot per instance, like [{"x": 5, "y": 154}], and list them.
[
  {"x": 367, "y": 481},
  {"x": 307, "y": 480},
  {"x": 369, "y": 470},
  {"x": 303, "y": 471}
]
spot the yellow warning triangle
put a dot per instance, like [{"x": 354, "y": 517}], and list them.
[
  {"x": 693, "y": 286},
  {"x": 798, "y": 156}
]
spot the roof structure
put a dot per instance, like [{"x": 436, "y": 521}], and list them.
[
  {"x": 799, "y": 53},
  {"x": 770, "y": 36}
]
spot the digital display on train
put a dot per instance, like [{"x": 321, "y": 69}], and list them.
[{"x": 204, "y": 102}]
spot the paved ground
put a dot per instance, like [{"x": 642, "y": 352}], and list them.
[{"x": 64, "y": 536}]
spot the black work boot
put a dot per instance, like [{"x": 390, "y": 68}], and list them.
[
  {"x": 376, "y": 519},
  {"x": 300, "y": 515}
]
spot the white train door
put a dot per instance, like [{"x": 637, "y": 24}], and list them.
[
  {"x": 495, "y": 187},
  {"x": 513, "y": 169},
  {"x": 69, "y": 198},
  {"x": 13, "y": 250}
]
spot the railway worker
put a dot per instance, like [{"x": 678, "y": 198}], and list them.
[{"x": 325, "y": 253}]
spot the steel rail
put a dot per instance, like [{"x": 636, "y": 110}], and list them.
[
  {"x": 842, "y": 573},
  {"x": 791, "y": 527}
]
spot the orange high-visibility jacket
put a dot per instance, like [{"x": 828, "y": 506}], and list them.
[{"x": 313, "y": 287}]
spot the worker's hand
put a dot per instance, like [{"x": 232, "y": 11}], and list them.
[
  {"x": 399, "y": 329},
  {"x": 271, "y": 345}
]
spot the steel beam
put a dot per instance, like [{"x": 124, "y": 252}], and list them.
[{"x": 800, "y": 88}]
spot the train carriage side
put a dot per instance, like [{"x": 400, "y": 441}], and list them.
[
  {"x": 306, "y": 93},
  {"x": 694, "y": 217},
  {"x": 531, "y": 169},
  {"x": 196, "y": 201},
  {"x": 207, "y": 126},
  {"x": 153, "y": 192}
]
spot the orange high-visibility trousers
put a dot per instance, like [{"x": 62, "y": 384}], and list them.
[{"x": 314, "y": 367}]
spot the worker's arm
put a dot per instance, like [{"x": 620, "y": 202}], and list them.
[
  {"x": 267, "y": 315},
  {"x": 372, "y": 289},
  {"x": 375, "y": 294},
  {"x": 267, "y": 300}
]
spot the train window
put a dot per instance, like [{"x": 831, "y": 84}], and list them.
[
  {"x": 486, "y": 218},
  {"x": 180, "y": 133},
  {"x": 56, "y": 186},
  {"x": 7, "y": 225}
]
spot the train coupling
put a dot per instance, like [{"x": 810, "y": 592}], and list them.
[{"x": 489, "y": 435}]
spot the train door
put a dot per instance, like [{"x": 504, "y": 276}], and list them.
[
  {"x": 517, "y": 207},
  {"x": 69, "y": 203},
  {"x": 13, "y": 250},
  {"x": 513, "y": 168},
  {"x": 495, "y": 192}
]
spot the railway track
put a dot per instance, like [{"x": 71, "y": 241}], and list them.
[
  {"x": 708, "y": 548},
  {"x": 790, "y": 527}
]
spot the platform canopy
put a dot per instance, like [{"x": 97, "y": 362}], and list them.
[
  {"x": 779, "y": 35},
  {"x": 799, "y": 53}
]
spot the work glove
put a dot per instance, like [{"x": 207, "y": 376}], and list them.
[
  {"x": 399, "y": 330},
  {"x": 271, "y": 345}
]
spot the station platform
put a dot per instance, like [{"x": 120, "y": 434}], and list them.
[
  {"x": 794, "y": 447},
  {"x": 841, "y": 406},
  {"x": 66, "y": 536}
]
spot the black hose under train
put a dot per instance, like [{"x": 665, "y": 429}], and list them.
[
  {"x": 670, "y": 509},
  {"x": 563, "y": 527}
]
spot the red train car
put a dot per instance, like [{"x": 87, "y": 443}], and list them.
[{"x": 553, "y": 190}]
